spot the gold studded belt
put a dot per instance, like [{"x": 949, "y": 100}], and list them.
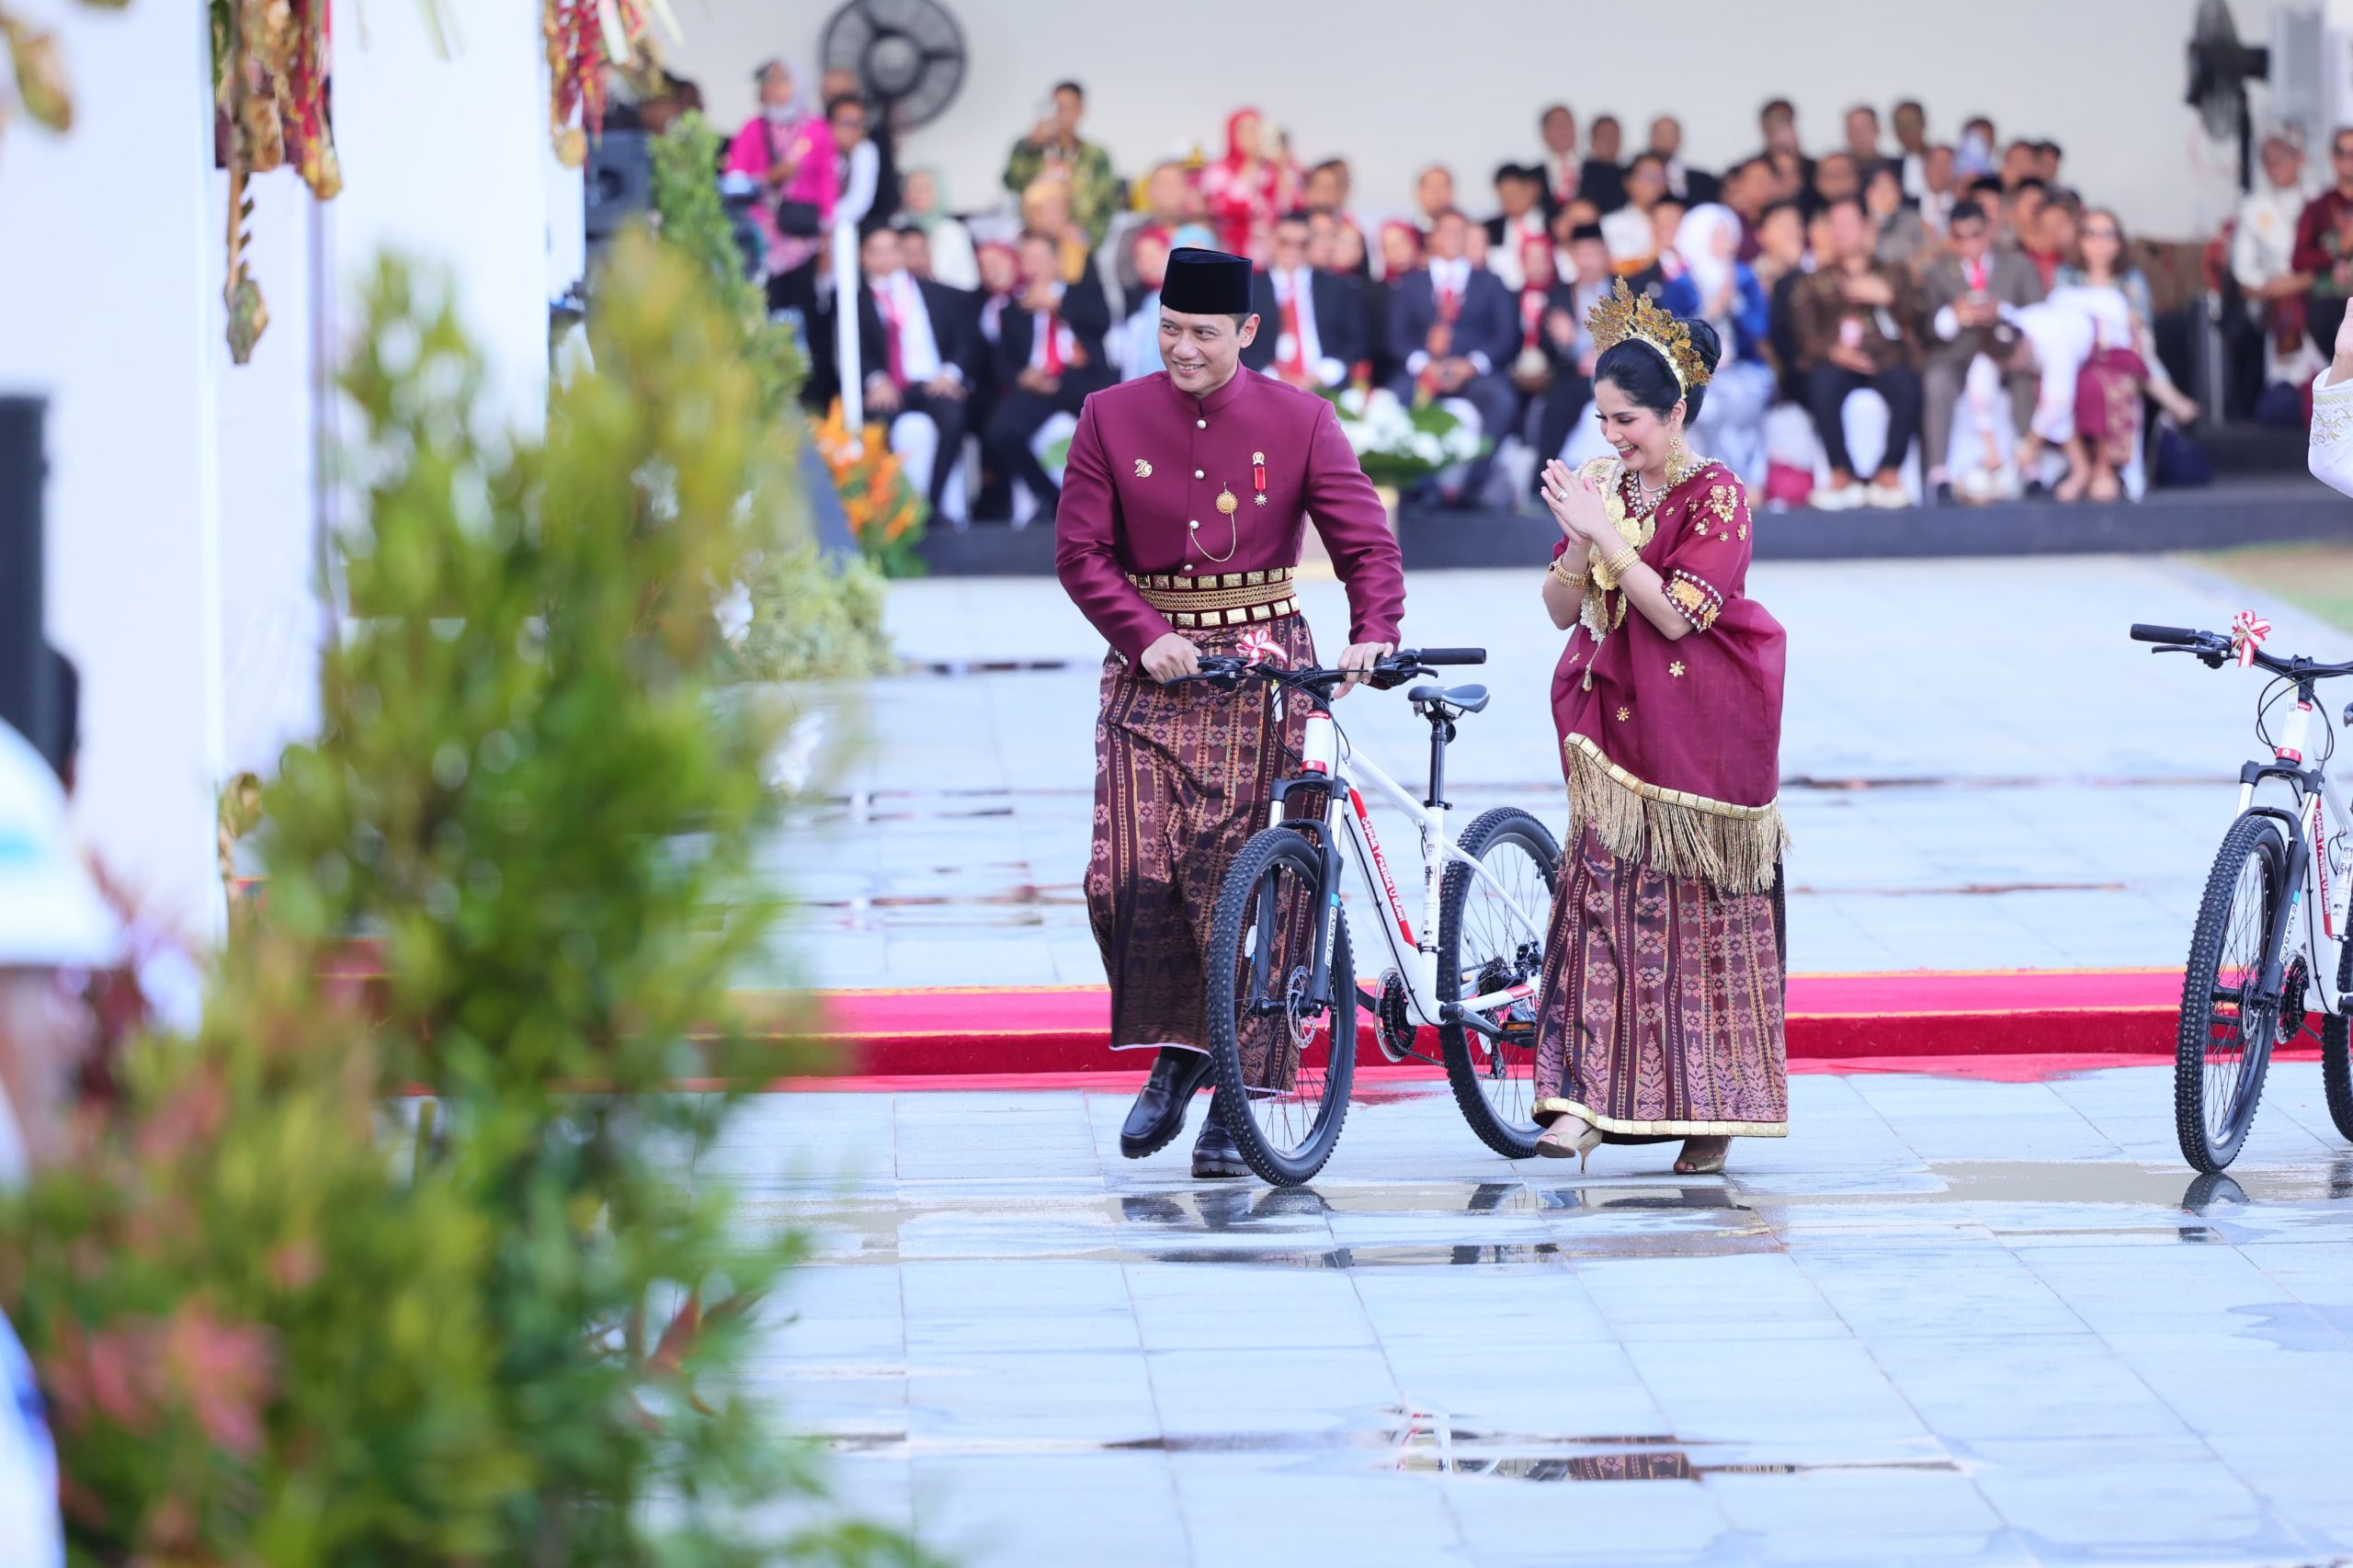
[{"x": 1231, "y": 598}]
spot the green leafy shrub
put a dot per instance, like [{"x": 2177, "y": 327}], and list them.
[{"x": 271, "y": 1341}]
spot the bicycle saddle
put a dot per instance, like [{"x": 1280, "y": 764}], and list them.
[{"x": 1450, "y": 701}]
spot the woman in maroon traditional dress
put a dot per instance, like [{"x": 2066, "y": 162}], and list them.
[{"x": 1661, "y": 1004}]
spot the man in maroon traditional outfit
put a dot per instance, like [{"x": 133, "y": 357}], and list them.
[{"x": 1183, "y": 504}]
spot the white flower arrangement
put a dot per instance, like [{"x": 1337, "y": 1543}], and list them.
[{"x": 1400, "y": 445}]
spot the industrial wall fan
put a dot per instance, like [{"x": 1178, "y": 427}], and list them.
[
  {"x": 2220, "y": 69},
  {"x": 907, "y": 55}
]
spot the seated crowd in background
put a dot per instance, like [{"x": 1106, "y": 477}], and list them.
[{"x": 1901, "y": 320}]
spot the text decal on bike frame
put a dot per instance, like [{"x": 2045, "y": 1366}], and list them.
[
  {"x": 2317, "y": 846},
  {"x": 1380, "y": 864}
]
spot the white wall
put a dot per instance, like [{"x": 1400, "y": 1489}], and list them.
[
  {"x": 108, "y": 277},
  {"x": 444, "y": 160},
  {"x": 1395, "y": 84}
]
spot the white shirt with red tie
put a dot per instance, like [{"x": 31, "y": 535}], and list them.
[
  {"x": 1051, "y": 344},
  {"x": 912, "y": 346},
  {"x": 1979, "y": 277},
  {"x": 1450, "y": 285},
  {"x": 1298, "y": 346}
]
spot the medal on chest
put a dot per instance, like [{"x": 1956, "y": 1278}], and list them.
[{"x": 1258, "y": 476}]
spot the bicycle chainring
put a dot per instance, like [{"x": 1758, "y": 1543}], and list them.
[{"x": 2292, "y": 993}]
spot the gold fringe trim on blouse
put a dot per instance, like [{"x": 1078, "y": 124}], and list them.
[{"x": 1731, "y": 849}]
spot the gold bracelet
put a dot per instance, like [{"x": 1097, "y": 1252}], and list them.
[
  {"x": 1627, "y": 556},
  {"x": 1567, "y": 579}
]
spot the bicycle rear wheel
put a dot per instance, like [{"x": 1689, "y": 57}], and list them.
[
  {"x": 1484, "y": 945},
  {"x": 1284, "y": 1051},
  {"x": 2224, "y": 1045}
]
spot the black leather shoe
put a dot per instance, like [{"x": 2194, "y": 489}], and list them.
[
  {"x": 1158, "y": 1113},
  {"x": 1213, "y": 1152}
]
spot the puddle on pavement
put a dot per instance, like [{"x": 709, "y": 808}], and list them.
[{"x": 1412, "y": 1442}]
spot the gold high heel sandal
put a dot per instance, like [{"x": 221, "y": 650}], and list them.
[
  {"x": 1558, "y": 1142},
  {"x": 1699, "y": 1159}
]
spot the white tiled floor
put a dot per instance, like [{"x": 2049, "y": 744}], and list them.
[{"x": 1945, "y": 1322}]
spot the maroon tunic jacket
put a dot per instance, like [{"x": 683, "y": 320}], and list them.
[{"x": 1139, "y": 493}]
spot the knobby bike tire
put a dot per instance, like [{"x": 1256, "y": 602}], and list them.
[
  {"x": 1267, "y": 851},
  {"x": 2208, "y": 1142},
  {"x": 1505, "y": 825},
  {"x": 2336, "y": 1052}
]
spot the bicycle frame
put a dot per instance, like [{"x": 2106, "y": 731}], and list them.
[
  {"x": 1331, "y": 762},
  {"x": 2319, "y": 817}
]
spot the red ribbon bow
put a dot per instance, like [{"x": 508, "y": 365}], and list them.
[
  {"x": 2247, "y": 631},
  {"x": 1259, "y": 647}
]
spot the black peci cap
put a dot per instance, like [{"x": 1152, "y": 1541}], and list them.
[{"x": 1206, "y": 283}]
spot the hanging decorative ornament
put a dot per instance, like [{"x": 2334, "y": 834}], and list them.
[{"x": 270, "y": 66}]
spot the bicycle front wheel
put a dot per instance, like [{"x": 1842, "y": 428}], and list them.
[
  {"x": 1284, "y": 1050},
  {"x": 2224, "y": 1046},
  {"x": 1491, "y": 938}
]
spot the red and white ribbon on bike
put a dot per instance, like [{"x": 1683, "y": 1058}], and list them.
[
  {"x": 1259, "y": 647},
  {"x": 2247, "y": 631}
]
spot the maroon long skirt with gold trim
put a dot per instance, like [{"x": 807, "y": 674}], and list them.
[
  {"x": 1660, "y": 1006},
  {"x": 1183, "y": 777}
]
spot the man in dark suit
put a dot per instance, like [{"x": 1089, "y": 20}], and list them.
[
  {"x": 1311, "y": 325},
  {"x": 1559, "y": 168},
  {"x": 1520, "y": 218},
  {"x": 1689, "y": 185},
  {"x": 1456, "y": 331},
  {"x": 1048, "y": 356},
  {"x": 1778, "y": 120},
  {"x": 1602, "y": 181},
  {"x": 917, "y": 348},
  {"x": 1964, "y": 296}
]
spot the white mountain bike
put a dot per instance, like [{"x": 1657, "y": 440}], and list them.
[
  {"x": 1282, "y": 994},
  {"x": 2271, "y": 927}
]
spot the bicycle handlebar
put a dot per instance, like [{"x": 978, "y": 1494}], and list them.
[
  {"x": 1391, "y": 670},
  {"x": 2215, "y": 648}
]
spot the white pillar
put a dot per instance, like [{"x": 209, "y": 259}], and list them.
[
  {"x": 108, "y": 275},
  {"x": 844, "y": 286},
  {"x": 274, "y": 616}
]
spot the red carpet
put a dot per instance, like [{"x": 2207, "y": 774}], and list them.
[{"x": 1847, "y": 1022}]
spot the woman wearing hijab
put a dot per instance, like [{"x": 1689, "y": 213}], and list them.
[
  {"x": 1247, "y": 190},
  {"x": 790, "y": 152},
  {"x": 1716, "y": 287},
  {"x": 922, "y": 201}
]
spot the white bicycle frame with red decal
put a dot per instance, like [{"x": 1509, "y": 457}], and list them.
[
  {"x": 2320, "y": 846},
  {"x": 1413, "y": 945}
]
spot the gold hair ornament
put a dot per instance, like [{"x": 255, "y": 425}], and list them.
[{"x": 1624, "y": 314}]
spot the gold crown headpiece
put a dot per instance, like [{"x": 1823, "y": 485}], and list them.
[{"x": 1623, "y": 316}]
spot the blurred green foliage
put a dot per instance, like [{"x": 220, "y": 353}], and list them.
[{"x": 288, "y": 1317}]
